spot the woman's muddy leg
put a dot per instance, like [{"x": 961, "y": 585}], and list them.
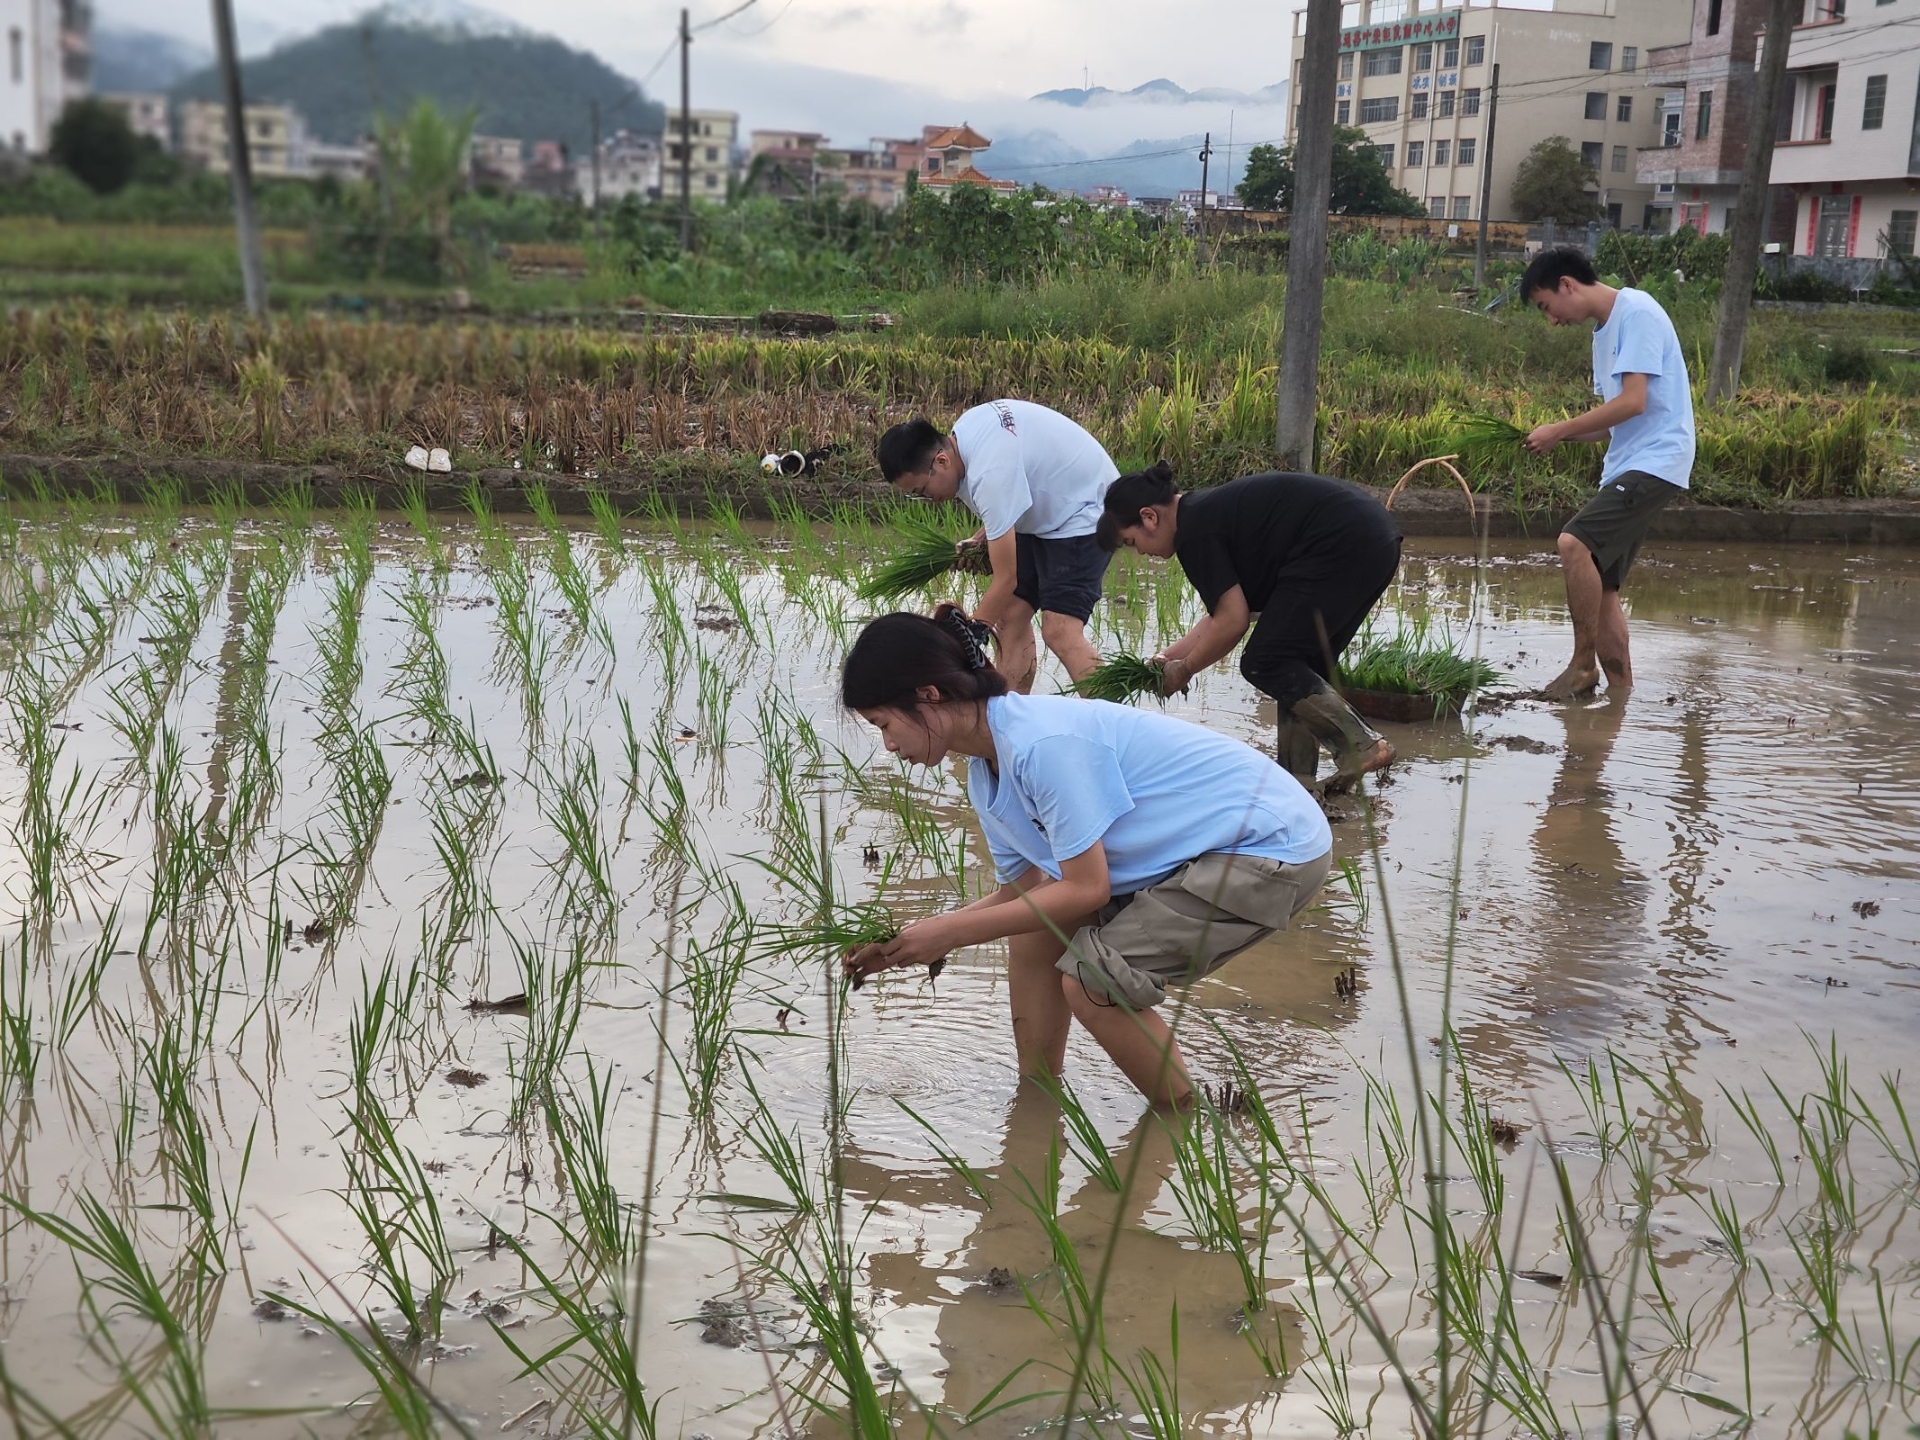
[
  {"x": 1138, "y": 1041},
  {"x": 1040, "y": 1013}
]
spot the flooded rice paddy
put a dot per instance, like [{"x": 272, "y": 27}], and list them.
[{"x": 410, "y": 1014}]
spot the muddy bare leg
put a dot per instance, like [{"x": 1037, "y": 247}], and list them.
[
  {"x": 1138, "y": 1041},
  {"x": 1066, "y": 637},
  {"x": 1015, "y": 657},
  {"x": 1041, "y": 1016},
  {"x": 1612, "y": 647},
  {"x": 1585, "y": 597}
]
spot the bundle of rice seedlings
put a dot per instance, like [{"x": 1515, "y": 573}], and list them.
[
  {"x": 1120, "y": 679},
  {"x": 1487, "y": 435},
  {"x": 1414, "y": 662},
  {"x": 929, "y": 555},
  {"x": 848, "y": 929}
]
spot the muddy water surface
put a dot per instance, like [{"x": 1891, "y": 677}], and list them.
[{"x": 1659, "y": 930}]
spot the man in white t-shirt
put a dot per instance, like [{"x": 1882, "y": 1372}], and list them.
[
  {"x": 1036, "y": 480},
  {"x": 1646, "y": 418}
]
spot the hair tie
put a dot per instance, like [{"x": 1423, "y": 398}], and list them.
[{"x": 972, "y": 634}]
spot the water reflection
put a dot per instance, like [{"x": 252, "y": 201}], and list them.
[{"x": 974, "y": 1265}]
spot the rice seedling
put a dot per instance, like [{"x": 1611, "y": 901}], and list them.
[
  {"x": 926, "y": 557},
  {"x": 726, "y": 579},
  {"x": 1205, "y": 1190},
  {"x": 607, "y": 520},
  {"x": 1082, "y": 1322},
  {"x": 406, "y": 1402},
  {"x": 814, "y": 1262},
  {"x": 709, "y": 984},
  {"x": 601, "y": 1228},
  {"x": 715, "y": 702},
  {"x": 1155, "y": 1388},
  {"x": 555, "y": 997},
  {"x": 593, "y": 1370},
  {"x": 1891, "y": 1127},
  {"x": 81, "y": 990},
  {"x": 413, "y": 505},
  {"x": 1083, "y": 1135},
  {"x": 584, "y": 871},
  {"x": 968, "y": 1175},
  {"x": 20, "y": 1048},
  {"x": 165, "y": 1380},
  {"x": 1120, "y": 679},
  {"x": 409, "y": 1261}
]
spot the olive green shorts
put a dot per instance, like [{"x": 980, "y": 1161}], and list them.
[
  {"x": 1188, "y": 925},
  {"x": 1613, "y": 523}
]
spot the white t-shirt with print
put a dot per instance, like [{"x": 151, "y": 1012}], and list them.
[
  {"x": 1639, "y": 339},
  {"x": 1031, "y": 470}
]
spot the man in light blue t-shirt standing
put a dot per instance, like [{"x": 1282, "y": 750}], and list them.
[
  {"x": 1037, "y": 481},
  {"x": 1646, "y": 416}
]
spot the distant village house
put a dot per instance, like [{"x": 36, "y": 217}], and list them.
[{"x": 48, "y": 63}]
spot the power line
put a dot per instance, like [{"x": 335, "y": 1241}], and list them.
[
  {"x": 750, "y": 34},
  {"x": 722, "y": 19},
  {"x": 664, "y": 54}
]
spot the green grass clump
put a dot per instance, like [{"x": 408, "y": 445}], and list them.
[
  {"x": 1414, "y": 662},
  {"x": 928, "y": 555},
  {"x": 1120, "y": 679}
]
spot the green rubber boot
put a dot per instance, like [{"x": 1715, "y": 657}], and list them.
[
  {"x": 1358, "y": 749},
  {"x": 1296, "y": 749}
]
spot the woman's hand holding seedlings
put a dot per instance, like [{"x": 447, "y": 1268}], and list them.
[{"x": 920, "y": 944}]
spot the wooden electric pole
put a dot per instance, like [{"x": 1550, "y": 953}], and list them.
[
  {"x": 1297, "y": 401},
  {"x": 253, "y": 272},
  {"x": 1750, "y": 214},
  {"x": 1486, "y": 182},
  {"x": 686, "y": 140}
]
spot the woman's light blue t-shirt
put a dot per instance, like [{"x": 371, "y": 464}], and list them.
[
  {"x": 1158, "y": 791},
  {"x": 1639, "y": 339}
]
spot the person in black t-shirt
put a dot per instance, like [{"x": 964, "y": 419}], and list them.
[{"x": 1308, "y": 555}]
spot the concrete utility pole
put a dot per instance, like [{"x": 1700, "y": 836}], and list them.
[
  {"x": 253, "y": 272},
  {"x": 1750, "y": 214},
  {"x": 1307, "y": 243},
  {"x": 686, "y": 140},
  {"x": 1486, "y": 182},
  {"x": 1206, "y": 154}
]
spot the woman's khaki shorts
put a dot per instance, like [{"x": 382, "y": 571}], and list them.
[{"x": 1188, "y": 925}]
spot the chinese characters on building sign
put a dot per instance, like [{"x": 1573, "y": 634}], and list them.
[{"x": 1402, "y": 32}]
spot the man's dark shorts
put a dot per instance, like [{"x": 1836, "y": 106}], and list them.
[
  {"x": 1061, "y": 577},
  {"x": 1613, "y": 523}
]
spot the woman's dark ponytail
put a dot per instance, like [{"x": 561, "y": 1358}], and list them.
[
  {"x": 1128, "y": 496},
  {"x": 898, "y": 655}
]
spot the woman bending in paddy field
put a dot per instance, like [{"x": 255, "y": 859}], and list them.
[
  {"x": 1309, "y": 556},
  {"x": 1134, "y": 850}
]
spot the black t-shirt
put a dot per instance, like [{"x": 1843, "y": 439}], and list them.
[{"x": 1247, "y": 531}]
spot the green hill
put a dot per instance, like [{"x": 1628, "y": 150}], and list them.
[{"x": 520, "y": 85}]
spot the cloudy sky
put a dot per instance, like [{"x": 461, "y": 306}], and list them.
[{"x": 854, "y": 68}]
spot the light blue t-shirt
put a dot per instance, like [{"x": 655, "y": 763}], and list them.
[
  {"x": 1031, "y": 470},
  {"x": 1638, "y": 339},
  {"x": 1158, "y": 791}
]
